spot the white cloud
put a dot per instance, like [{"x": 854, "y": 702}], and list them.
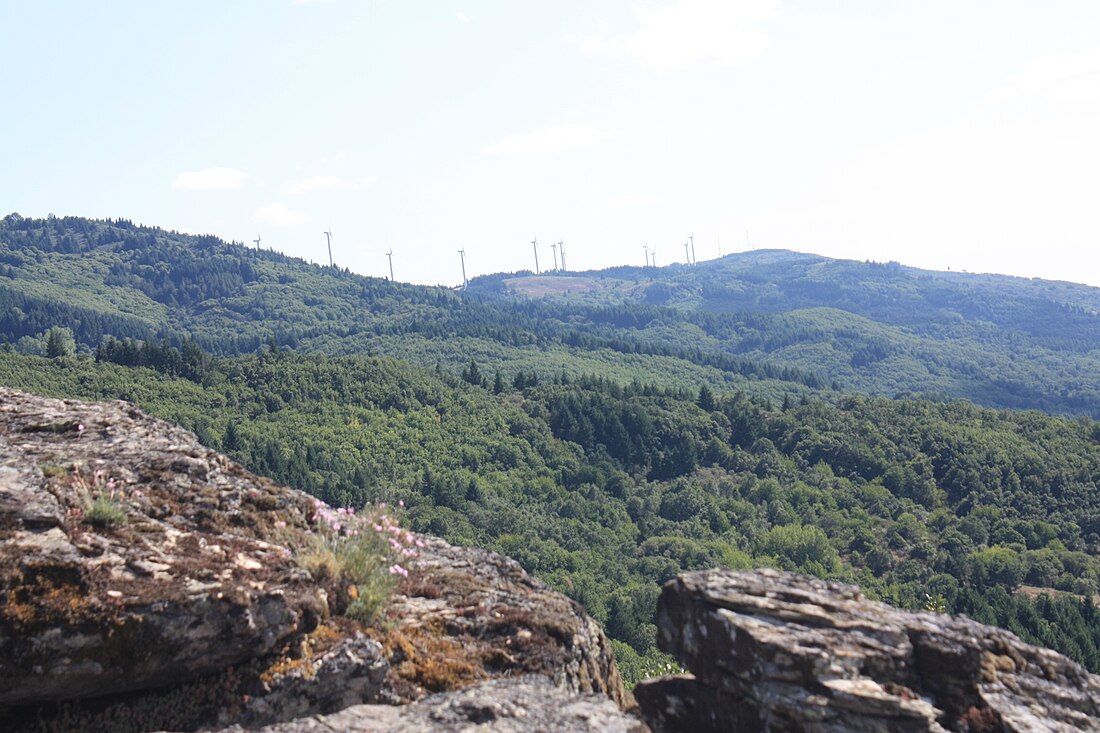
[
  {"x": 462, "y": 18},
  {"x": 690, "y": 33},
  {"x": 278, "y": 215},
  {"x": 632, "y": 200},
  {"x": 326, "y": 184},
  {"x": 562, "y": 139},
  {"x": 210, "y": 179},
  {"x": 1068, "y": 76}
]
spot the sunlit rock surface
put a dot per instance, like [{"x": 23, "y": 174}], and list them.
[{"x": 772, "y": 651}]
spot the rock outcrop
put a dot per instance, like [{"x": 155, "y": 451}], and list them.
[
  {"x": 771, "y": 651},
  {"x": 133, "y": 557},
  {"x": 470, "y": 614},
  {"x": 509, "y": 705},
  {"x": 146, "y": 582}
]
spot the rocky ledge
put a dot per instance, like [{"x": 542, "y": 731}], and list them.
[
  {"x": 771, "y": 651},
  {"x": 510, "y": 705},
  {"x": 176, "y": 603}
]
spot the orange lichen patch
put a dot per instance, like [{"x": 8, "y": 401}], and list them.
[
  {"x": 301, "y": 655},
  {"x": 427, "y": 657},
  {"x": 41, "y": 598}
]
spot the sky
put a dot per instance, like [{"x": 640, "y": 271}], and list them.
[{"x": 960, "y": 134}]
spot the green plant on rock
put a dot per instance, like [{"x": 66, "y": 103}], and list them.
[
  {"x": 362, "y": 553},
  {"x": 102, "y": 498}
]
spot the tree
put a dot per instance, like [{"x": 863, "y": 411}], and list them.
[
  {"x": 706, "y": 399},
  {"x": 59, "y": 342}
]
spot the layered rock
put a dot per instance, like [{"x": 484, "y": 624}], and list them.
[
  {"x": 509, "y": 705},
  {"x": 771, "y": 651}
]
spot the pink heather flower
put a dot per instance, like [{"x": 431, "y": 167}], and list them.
[
  {"x": 408, "y": 536},
  {"x": 382, "y": 505},
  {"x": 377, "y": 527},
  {"x": 408, "y": 552},
  {"x": 400, "y": 502},
  {"x": 80, "y": 427},
  {"x": 340, "y": 510},
  {"x": 137, "y": 492},
  {"x": 394, "y": 543},
  {"x": 398, "y": 570},
  {"x": 336, "y": 526},
  {"x": 280, "y": 523},
  {"x": 420, "y": 543}
]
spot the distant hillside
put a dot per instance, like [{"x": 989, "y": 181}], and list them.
[
  {"x": 770, "y": 322},
  {"x": 114, "y": 278},
  {"x": 877, "y": 328}
]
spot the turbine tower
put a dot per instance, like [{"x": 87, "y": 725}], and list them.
[
  {"x": 561, "y": 246},
  {"x": 646, "y": 248},
  {"x": 535, "y": 246},
  {"x": 257, "y": 241},
  {"x": 462, "y": 254},
  {"x": 653, "y": 256},
  {"x": 719, "y": 245},
  {"x": 328, "y": 236},
  {"x": 692, "y": 238},
  {"x": 390, "y": 256},
  {"x": 554, "y": 249},
  {"x": 687, "y": 257}
]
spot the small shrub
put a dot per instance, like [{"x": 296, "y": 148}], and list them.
[
  {"x": 102, "y": 499},
  {"x": 105, "y": 511},
  {"x": 362, "y": 554}
]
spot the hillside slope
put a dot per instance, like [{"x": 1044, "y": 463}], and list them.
[{"x": 878, "y": 328}]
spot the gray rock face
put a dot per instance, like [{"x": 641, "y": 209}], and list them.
[
  {"x": 772, "y": 651},
  {"x": 510, "y": 705},
  {"x": 183, "y": 584}
]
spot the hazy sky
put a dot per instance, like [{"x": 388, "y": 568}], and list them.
[{"x": 961, "y": 133}]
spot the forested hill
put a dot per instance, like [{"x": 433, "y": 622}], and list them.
[
  {"x": 113, "y": 278},
  {"x": 772, "y": 322},
  {"x": 878, "y": 328}
]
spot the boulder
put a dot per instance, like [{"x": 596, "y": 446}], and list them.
[{"x": 773, "y": 651}]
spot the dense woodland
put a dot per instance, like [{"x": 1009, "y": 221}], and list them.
[
  {"x": 606, "y": 489},
  {"x": 605, "y": 443}
]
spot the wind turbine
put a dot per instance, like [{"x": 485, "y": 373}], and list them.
[
  {"x": 390, "y": 256},
  {"x": 653, "y": 256},
  {"x": 692, "y": 238},
  {"x": 462, "y": 254},
  {"x": 561, "y": 246},
  {"x": 257, "y": 241},
  {"x": 554, "y": 249},
  {"x": 328, "y": 236},
  {"x": 719, "y": 245},
  {"x": 535, "y": 246},
  {"x": 687, "y": 257},
  {"x": 646, "y": 248}
]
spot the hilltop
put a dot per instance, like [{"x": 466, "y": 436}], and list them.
[{"x": 880, "y": 328}]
